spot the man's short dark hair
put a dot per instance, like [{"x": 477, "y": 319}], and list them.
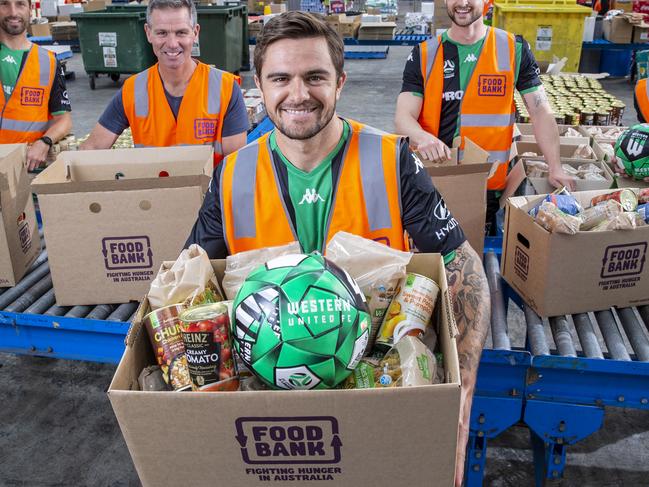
[
  {"x": 300, "y": 25},
  {"x": 176, "y": 4}
]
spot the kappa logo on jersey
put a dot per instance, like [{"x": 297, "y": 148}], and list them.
[
  {"x": 418, "y": 164},
  {"x": 410, "y": 58},
  {"x": 9, "y": 59},
  {"x": 449, "y": 69},
  {"x": 471, "y": 58},
  {"x": 310, "y": 196},
  {"x": 452, "y": 95},
  {"x": 492, "y": 85},
  {"x": 32, "y": 97},
  {"x": 440, "y": 211}
]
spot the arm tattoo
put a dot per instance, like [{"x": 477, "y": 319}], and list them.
[{"x": 469, "y": 292}]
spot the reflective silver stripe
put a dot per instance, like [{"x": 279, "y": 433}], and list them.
[
  {"x": 141, "y": 146},
  {"x": 44, "y": 63},
  {"x": 486, "y": 120},
  {"x": 494, "y": 155},
  {"x": 243, "y": 192},
  {"x": 502, "y": 50},
  {"x": 376, "y": 197},
  {"x": 646, "y": 88},
  {"x": 214, "y": 92},
  {"x": 221, "y": 169},
  {"x": 24, "y": 126},
  {"x": 218, "y": 149},
  {"x": 142, "y": 94},
  {"x": 431, "y": 51}
]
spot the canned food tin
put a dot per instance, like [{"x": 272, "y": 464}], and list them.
[
  {"x": 414, "y": 302},
  {"x": 617, "y": 113},
  {"x": 625, "y": 197},
  {"x": 206, "y": 333},
  {"x": 165, "y": 334},
  {"x": 602, "y": 117},
  {"x": 587, "y": 117}
]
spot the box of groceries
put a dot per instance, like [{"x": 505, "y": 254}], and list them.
[
  {"x": 302, "y": 375},
  {"x": 111, "y": 217},
  {"x": 573, "y": 253},
  {"x": 19, "y": 240}
]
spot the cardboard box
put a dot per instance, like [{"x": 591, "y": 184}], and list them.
[
  {"x": 640, "y": 34},
  {"x": 562, "y": 274},
  {"x": 463, "y": 185},
  {"x": 64, "y": 31},
  {"x": 617, "y": 30},
  {"x": 524, "y": 132},
  {"x": 419, "y": 423},
  {"x": 347, "y": 27},
  {"x": 49, "y": 8},
  {"x": 376, "y": 31},
  {"x": 70, "y": 8},
  {"x": 106, "y": 237},
  {"x": 19, "y": 240},
  {"x": 39, "y": 30},
  {"x": 542, "y": 186},
  {"x": 94, "y": 5},
  {"x": 278, "y": 8}
]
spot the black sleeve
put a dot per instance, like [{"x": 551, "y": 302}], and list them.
[
  {"x": 59, "y": 101},
  {"x": 208, "y": 229},
  {"x": 528, "y": 73},
  {"x": 412, "y": 79},
  {"x": 424, "y": 213},
  {"x": 114, "y": 117},
  {"x": 637, "y": 109}
]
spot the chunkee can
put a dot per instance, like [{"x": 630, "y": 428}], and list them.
[
  {"x": 206, "y": 333},
  {"x": 163, "y": 327},
  {"x": 414, "y": 302}
]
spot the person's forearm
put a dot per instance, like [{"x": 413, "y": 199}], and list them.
[
  {"x": 60, "y": 127},
  {"x": 472, "y": 309},
  {"x": 547, "y": 137},
  {"x": 406, "y": 124}
]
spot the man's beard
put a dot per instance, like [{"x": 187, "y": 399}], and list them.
[
  {"x": 475, "y": 17},
  {"x": 11, "y": 29},
  {"x": 302, "y": 132}
]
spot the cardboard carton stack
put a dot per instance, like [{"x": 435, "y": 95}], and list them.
[
  {"x": 376, "y": 31},
  {"x": 254, "y": 106},
  {"x": 64, "y": 31},
  {"x": 346, "y": 26}
]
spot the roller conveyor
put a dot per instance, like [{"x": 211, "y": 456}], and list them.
[{"x": 32, "y": 323}]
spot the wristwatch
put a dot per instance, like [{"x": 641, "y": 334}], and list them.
[{"x": 47, "y": 140}]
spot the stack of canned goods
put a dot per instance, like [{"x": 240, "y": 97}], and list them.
[{"x": 576, "y": 100}]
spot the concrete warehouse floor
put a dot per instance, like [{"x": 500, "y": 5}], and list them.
[{"x": 57, "y": 427}]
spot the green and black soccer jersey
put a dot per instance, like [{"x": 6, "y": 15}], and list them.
[
  {"x": 459, "y": 62},
  {"x": 309, "y": 197}
]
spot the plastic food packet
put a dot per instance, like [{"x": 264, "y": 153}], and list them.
[
  {"x": 375, "y": 267},
  {"x": 190, "y": 281},
  {"x": 536, "y": 169},
  {"x": 563, "y": 200},
  {"x": 529, "y": 154},
  {"x": 572, "y": 133},
  {"x": 568, "y": 169},
  {"x": 643, "y": 196},
  {"x": 151, "y": 379},
  {"x": 408, "y": 363},
  {"x": 584, "y": 151},
  {"x": 627, "y": 220},
  {"x": 556, "y": 221},
  {"x": 592, "y": 176},
  {"x": 595, "y": 215},
  {"x": 238, "y": 266},
  {"x": 589, "y": 168}
]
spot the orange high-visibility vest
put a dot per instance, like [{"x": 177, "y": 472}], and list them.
[
  {"x": 487, "y": 108},
  {"x": 26, "y": 115},
  {"x": 200, "y": 117},
  {"x": 642, "y": 98},
  {"x": 366, "y": 202}
]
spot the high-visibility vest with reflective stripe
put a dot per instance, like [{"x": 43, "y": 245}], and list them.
[
  {"x": 642, "y": 98},
  {"x": 201, "y": 113},
  {"x": 366, "y": 201},
  {"x": 25, "y": 116},
  {"x": 487, "y": 108}
]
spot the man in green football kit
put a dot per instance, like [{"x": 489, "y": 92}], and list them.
[{"x": 317, "y": 171}]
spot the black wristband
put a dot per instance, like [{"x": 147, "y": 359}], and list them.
[{"x": 47, "y": 140}]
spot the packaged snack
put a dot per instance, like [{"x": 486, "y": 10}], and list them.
[
  {"x": 643, "y": 211},
  {"x": 625, "y": 197},
  {"x": 151, "y": 379},
  {"x": 568, "y": 169},
  {"x": 556, "y": 221},
  {"x": 536, "y": 169},
  {"x": 595, "y": 215},
  {"x": 643, "y": 196},
  {"x": 589, "y": 168},
  {"x": 584, "y": 151}
]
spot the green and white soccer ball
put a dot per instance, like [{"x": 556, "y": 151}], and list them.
[
  {"x": 300, "y": 322},
  {"x": 632, "y": 151}
]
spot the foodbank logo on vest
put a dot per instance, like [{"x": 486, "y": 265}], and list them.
[
  {"x": 31, "y": 97},
  {"x": 492, "y": 85},
  {"x": 205, "y": 128},
  {"x": 290, "y": 449},
  {"x": 127, "y": 258}
]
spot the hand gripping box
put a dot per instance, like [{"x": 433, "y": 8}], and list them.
[
  {"x": 341, "y": 438},
  {"x": 19, "y": 240},
  {"x": 563, "y": 274},
  {"x": 111, "y": 217}
]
